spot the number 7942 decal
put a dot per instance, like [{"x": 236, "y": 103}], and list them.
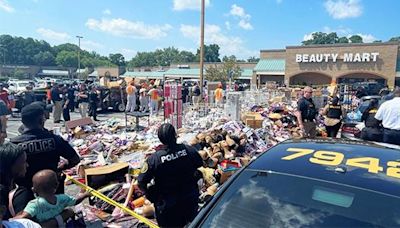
[{"x": 332, "y": 158}]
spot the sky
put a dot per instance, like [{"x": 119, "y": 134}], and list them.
[{"x": 240, "y": 27}]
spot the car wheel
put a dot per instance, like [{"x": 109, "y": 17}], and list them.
[{"x": 120, "y": 107}]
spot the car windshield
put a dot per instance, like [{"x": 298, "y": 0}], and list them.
[
  {"x": 23, "y": 84},
  {"x": 261, "y": 199}
]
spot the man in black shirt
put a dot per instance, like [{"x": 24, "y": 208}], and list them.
[
  {"x": 306, "y": 113},
  {"x": 56, "y": 98},
  {"x": 43, "y": 150},
  {"x": 93, "y": 100},
  {"x": 3, "y": 121}
]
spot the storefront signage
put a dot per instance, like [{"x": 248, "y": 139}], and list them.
[{"x": 347, "y": 57}]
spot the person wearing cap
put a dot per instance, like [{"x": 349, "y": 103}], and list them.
[
  {"x": 306, "y": 114},
  {"x": 389, "y": 114},
  {"x": 43, "y": 150},
  {"x": 29, "y": 96},
  {"x": 56, "y": 98},
  {"x": 131, "y": 97},
  {"x": 144, "y": 100},
  {"x": 175, "y": 192},
  {"x": 48, "y": 108}
]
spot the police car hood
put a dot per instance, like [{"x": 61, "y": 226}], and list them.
[{"x": 385, "y": 180}]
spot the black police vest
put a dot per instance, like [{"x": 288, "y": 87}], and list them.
[
  {"x": 334, "y": 111},
  {"x": 310, "y": 111},
  {"x": 371, "y": 121}
]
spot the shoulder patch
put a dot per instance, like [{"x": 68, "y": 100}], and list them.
[{"x": 144, "y": 168}]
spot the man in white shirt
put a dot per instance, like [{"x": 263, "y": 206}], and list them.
[{"x": 389, "y": 114}]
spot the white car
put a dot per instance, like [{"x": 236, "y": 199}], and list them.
[{"x": 18, "y": 86}]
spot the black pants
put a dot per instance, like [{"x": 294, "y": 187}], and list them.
[
  {"x": 66, "y": 115},
  {"x": 93, "y": 111},
  {"x": 372, "y": 134},
  {"x": 177, "y": 215},
  {"x": 333, "y": 130},
  {"x": 391, "y": 136}
]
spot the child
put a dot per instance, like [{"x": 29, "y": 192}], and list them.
[{"x": 48, "y": 205}]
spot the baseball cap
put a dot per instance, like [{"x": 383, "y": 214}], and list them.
[
  {"x": 46, "y": 107},
  {"x": 31, "y": 112}
]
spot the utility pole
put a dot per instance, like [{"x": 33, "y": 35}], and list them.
[
  {"x": 202, "y": 46},
  {"x": 79, "y": 53}
]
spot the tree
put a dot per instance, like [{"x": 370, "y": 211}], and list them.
[
  {"x": 211, "y": 53},
  {"x": 117, "y": 59},
  {"x": 19, "y": 74},
  {"x": 67, "y": 59},
  {"x": 222, "y": 74},
  {"x": 343, "y": 40},
  {"x": 356, "y": 39},
  {"x": 44, "y": 59},
  {"x": 253, "y": 59},
  {"x": 322, "y": 38},
  {"x": 397, "y": 38}
]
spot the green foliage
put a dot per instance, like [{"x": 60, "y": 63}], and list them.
[
  {"x": 356, "y": 39},
  {"x": 397, "y": 38},
  {"x": 44, "y": 59},
  {"x": 161, "y": 57},
  {"x": 253, "y": 59},
  {"x": 19, "y": 74},
  {"x": 331, "y": 38},
  {"x": 211, "y": 53},
  {"x": 218, "y": 73},
  {"x": 67, "y": 58},
  {"x": 117, "y": 59}
]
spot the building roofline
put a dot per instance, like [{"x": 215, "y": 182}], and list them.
[
  {"x": 273, "y": 50},
  {"x": 344, "y": 45}
]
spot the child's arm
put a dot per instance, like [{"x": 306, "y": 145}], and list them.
[
  {"x": 23, "y": 215},
  {"x": 82, "y": 197}
]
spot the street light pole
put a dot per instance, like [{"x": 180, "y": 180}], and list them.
[
  {"x": 202, "y": 46},
  {"x": 79, "y": 52}
]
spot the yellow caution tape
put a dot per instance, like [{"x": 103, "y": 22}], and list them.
[{"x": 112, "y": 202}]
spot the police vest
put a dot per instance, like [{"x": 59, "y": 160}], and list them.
[
  {"x": 309, "y": 112},
  {"x": 370, "y": 121},
  {"x": 334, "y": 111}
]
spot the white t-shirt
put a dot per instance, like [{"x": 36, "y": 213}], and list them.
[{"x": 389, "y": 114}]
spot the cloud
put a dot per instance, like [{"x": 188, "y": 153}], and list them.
[
  {"x": 128, "y": 53},
  {"x": 342, "y": 9},
  {"x": 228, "y": 25},
  {"x": 51, "y": 35},
  {"x": 308, "y": 36},
  {"x": 4, "y": 5},
  {"x": 244, "y": 18},
  {"x": 230, "y": 45},
  {"x": 367, "y": 38},
  {"x": 107, "y": 12},
  {"x": 89, "y": 45},
  {"x": 132, "y": 29},
  {"x": 180, "y": 5}
]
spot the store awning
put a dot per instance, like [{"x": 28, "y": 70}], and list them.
[
  {"x": 246, "y": 74},
  {"x": 53, "y": 73},
  {"x": 270, "y": 67},
  {"x": 183, "y": 73}
]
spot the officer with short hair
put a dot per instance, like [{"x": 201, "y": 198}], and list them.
[
  {"x": 389, "y": 114},
  {"x": 306, "y": 113},
  {"x": 175, "y": 192},
  {"x": 43, "y": 150},
  {"x": 373, "y": 129}
]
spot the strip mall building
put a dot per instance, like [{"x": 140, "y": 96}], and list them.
[{"x": 324, "y": 64}]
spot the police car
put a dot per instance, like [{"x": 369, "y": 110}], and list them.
[{"x": 311, "y": 183}]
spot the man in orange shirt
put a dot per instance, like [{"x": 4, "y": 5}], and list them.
[
  {"x": 131, "y": 97},
  {"x": 219, "y": 95}
]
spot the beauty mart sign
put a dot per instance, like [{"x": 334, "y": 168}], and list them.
[{"x": 333, "y": 57}]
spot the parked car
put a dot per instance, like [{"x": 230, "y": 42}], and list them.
[
  {"x": 18, "y": 86},
  {"x": 311, "y": 183},
  {"x": 371, "y": 88}
]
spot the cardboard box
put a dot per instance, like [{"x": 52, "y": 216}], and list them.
[
  {"x": 101, "y": 176},
  {"x": 252, "y": 119}
]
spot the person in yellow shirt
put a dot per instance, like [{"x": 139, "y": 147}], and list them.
[
  {"x": 131, "y": 97},
  {"x": 219, "y": 95}
]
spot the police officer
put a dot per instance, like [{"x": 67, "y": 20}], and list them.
[
  {"x": 306, "y": 113},
  {"x": 175, "y": 192},
  {"x": 389, "y": 114},
  {"x": 373, "y": 129},
  {"x": 333, "y": 114},
  {"x": 43, "y": 150}
]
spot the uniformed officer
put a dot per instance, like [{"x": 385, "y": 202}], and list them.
[
  {"x": 389, "y": 114},
  {"x": 373, "y": 129},
  {"x": 175, "y": 192},
  {"x": 306, "y": 113},
  {"x": 43, "y": 150},
  {"x": 333, "y": 112}
]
